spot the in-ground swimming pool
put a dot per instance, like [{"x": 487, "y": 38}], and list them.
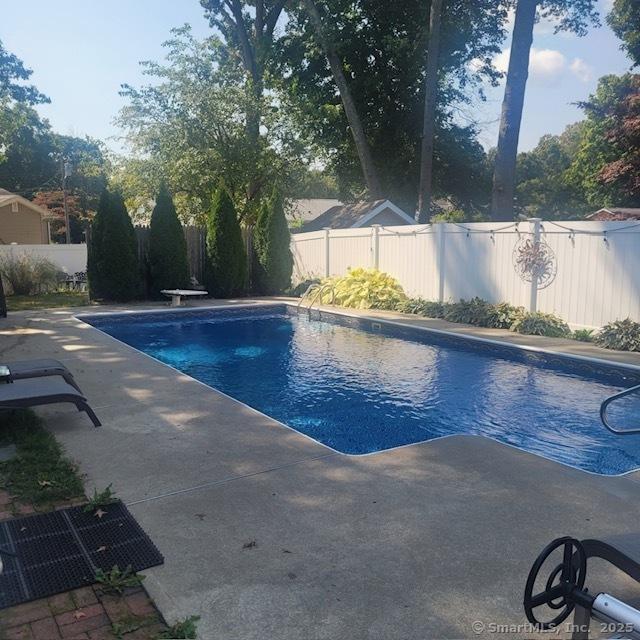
[{"x": 360, "y": 387}]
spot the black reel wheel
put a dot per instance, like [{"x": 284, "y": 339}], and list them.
[{"x": 568, "y": 576}]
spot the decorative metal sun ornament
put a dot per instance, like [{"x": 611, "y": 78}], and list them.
[{"x": 534, "y": 260}]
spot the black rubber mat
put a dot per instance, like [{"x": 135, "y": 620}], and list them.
[{"x": 62, "y": 550}]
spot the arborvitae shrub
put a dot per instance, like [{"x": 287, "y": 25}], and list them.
[
  {"x": 272, "y": 246},
  {"x": 113, "y": 269},
  {"x": 226, "y": 259},
  {"x": 168, "y": 264}
]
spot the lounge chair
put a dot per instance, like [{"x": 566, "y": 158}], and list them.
[
  {"x": 22, "y": 369},
  {"x": 33, "y": 392}
]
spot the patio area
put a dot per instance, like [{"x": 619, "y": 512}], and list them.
[{"x": 267, "y": 534}]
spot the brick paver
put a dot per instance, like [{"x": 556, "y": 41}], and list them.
[
  {"x": 82, "y": 614},
  {"x": 46, "y": 629}
]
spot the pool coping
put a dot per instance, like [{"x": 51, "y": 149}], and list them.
[{"x": 332, "y": 310}]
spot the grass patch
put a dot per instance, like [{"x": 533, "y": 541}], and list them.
[
  {"x": 48, "y": 300},
  {"x": 39, "y": 474}
]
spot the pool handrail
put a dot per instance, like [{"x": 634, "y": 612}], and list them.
[
  {"x": 310, "y": 288},
  {"x": 605, "y": 405},
  {"x": 318, "y": 290}
]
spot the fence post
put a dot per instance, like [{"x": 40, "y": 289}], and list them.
[
  {"x": 326, "y": 251},
  {"x": 439, "y": 237},
  {"x": 375, "y": 230},
  {"x": 535, "y": 232}
]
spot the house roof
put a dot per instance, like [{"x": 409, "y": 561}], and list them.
[
  {"x": 354, "y": 215},
  {"x": 307, "y": 209},
  {"x": 615, "y": 213},
  {"x": 6, "y": 197}
]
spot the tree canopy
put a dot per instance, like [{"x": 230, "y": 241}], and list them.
[
  {"x": 382, "y": 45},
  {"x": 624, "y": 19},
  {"x": 31, "y": 154},
  {"x": 189, "y": 126}
]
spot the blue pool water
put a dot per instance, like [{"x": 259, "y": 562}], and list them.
[{"x": 359, "y": 387}]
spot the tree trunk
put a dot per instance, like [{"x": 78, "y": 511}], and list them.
[
  {"x": 353, "y": 118},
  {"x": 504, "y": 176},
  {"x": 430, "y": 94}
]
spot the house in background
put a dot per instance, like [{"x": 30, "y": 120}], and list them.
[
  {"x": 360, "y": 214},
  {"x": 615, "y": 213},
  {"x": 21, "y": 221},
  {"x": 304, "y": 210}
]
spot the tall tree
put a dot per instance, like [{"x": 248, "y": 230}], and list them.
[
  {"x": 606, "y": 165},
  {"x": 383, "y": 47},
  {"x": 504, "y": 175},
  {"x": 272, "y": 246},
  {"x": 624, "y": 19},
  {"x": 188, "y": 127},
  {"x": 571, "y": 15},
  {"x": 544, "y": 187},
  {"x": 112, "y": 266},
  {"x": 429, "y": 119},
  {"x": 168, "y": 265},
  {"x": 16, "y": 97},
  {"x": 367, "y": 163},
  {"x": 247, "y": 28},
  {"x": 226, "y": 262}
]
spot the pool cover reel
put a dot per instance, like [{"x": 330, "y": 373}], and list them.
[{"x": 565, "y": 592}]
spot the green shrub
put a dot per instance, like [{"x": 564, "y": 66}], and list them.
[
  {"x": 28, "y": 274},
  {"x": 112, "y": 268},
  {"x": 226, "y": 260},
  {"x": 583, "y": 335},
  {"x": 542, "y": 324},
  {"x": 168, "y": 265},
  {"x": 420, "y": 307},
  {"x": 503, "y": 315},
  {"x": 273, "y": 262},
  {"x": 474, "y": 311},
  {"x": 365, "y": 289},
  {"x": 622, "y": 335}
]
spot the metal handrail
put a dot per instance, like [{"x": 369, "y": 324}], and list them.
[
  {"x": 605, "y": 405},
  {"x": 318, "y": 289},
  {"x": 310, "y": 288}
]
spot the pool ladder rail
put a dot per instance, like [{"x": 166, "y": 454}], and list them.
[
  {"x": 605, "y": 405},
  {"x": 315, "y": 292}
]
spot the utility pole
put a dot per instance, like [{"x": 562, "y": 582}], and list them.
[{"x": 65, "y": 175}]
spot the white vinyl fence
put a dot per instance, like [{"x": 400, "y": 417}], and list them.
[
  {"x": 71, "y": 258},
  {"x": 588, "y": 273}
]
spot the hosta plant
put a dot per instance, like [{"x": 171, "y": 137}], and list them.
[
  {"x": 503, "y": 315},
  {"x": 420, "y": 307},
  {"x": 542, "y": 324},
  {"x": 583, "y": 335},
  {"x": 364, "y": 289},
  {"x": 623, "y": 335},
  {"x": 474, "y": 311}
]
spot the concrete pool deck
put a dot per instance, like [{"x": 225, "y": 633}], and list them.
[{"x": 418, "y": 542}]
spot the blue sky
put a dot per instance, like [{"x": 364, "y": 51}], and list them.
[{"x": 81, "y": 51}]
